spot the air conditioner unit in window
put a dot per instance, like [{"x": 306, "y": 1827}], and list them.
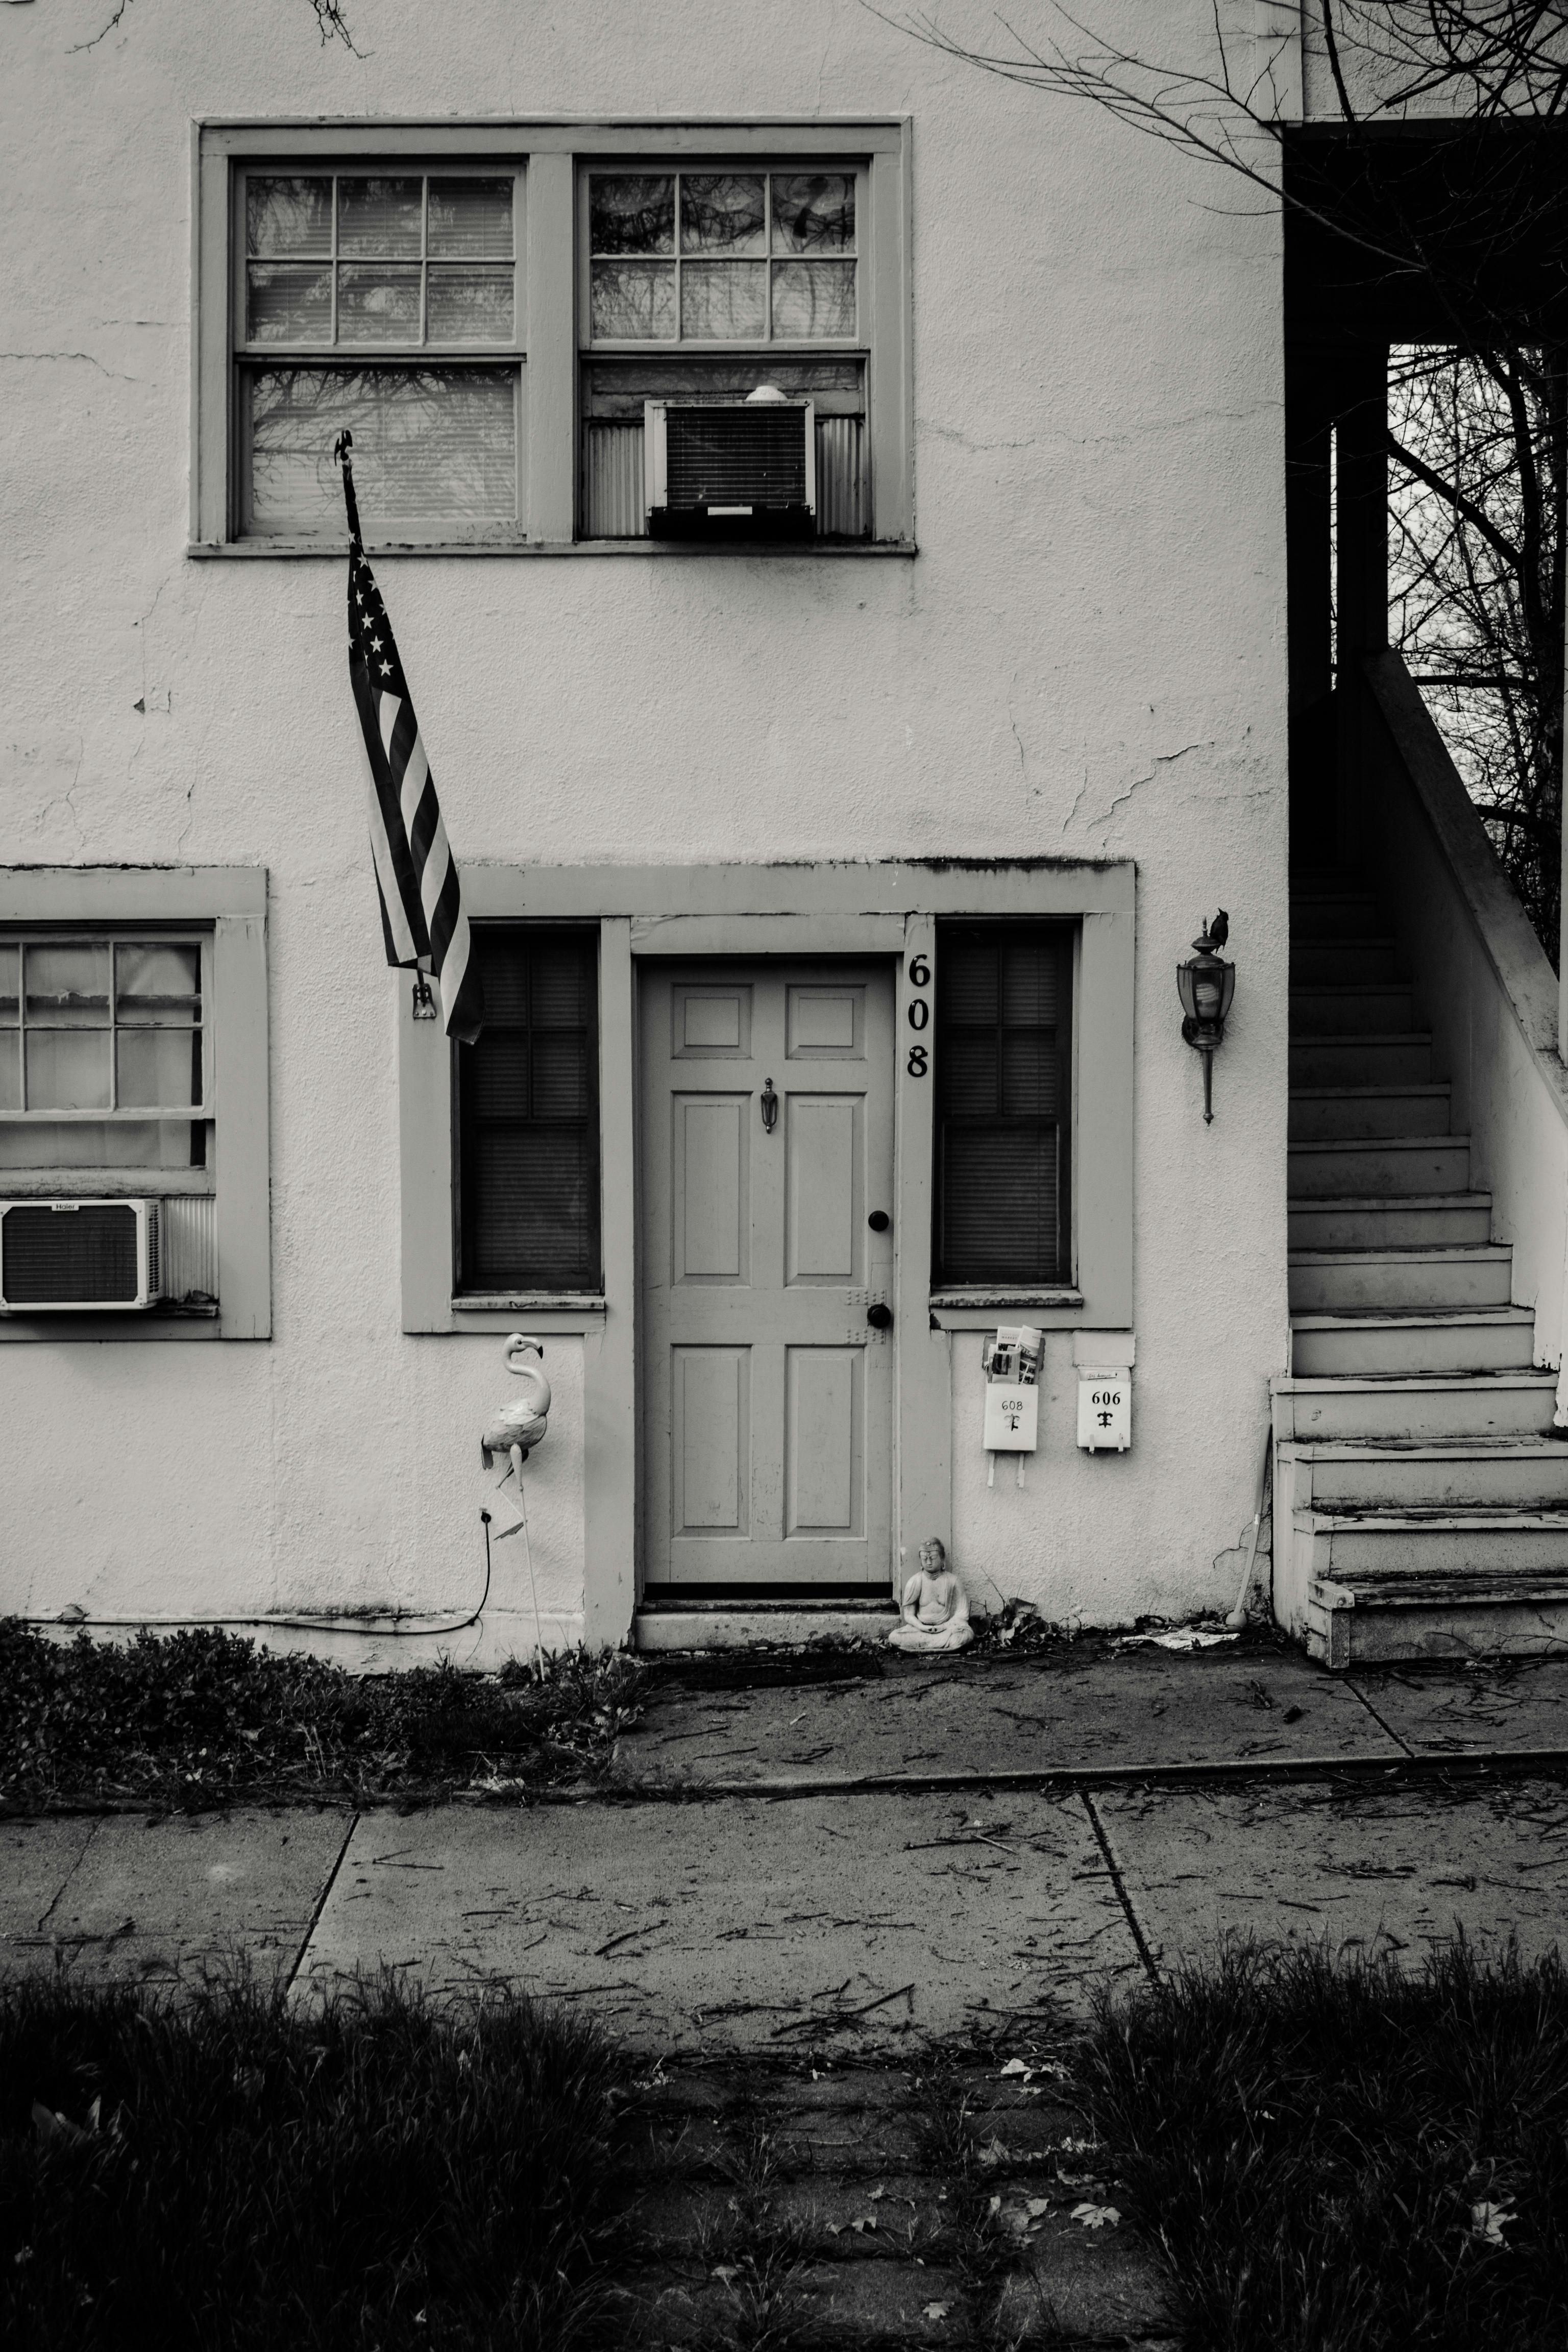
[
  {"x": 743, "y": 469},
  {"x": 66, "y": 1256}
]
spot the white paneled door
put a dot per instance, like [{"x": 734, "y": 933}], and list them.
[{"x": 767, "y": 1269}]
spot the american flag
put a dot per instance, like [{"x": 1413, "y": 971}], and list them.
[{"x": 422, "y": 916}]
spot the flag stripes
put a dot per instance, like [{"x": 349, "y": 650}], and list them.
[{"x": 423, "y": 924}]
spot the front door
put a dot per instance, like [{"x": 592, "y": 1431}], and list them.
[{"x": 767, "y": 1106}]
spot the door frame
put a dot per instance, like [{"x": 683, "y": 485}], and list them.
[{"x": 806, "y": 910}]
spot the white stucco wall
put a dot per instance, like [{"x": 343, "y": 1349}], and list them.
[{"x": 1087, "y": 657}]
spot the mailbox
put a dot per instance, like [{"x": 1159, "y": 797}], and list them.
[{"x": 1105, "y": 1408}]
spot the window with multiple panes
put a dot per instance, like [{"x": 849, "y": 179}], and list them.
[
  {"x": 103, "y": 1053},
  {"x": 490, "y": 312},
  {"x": 388, "y": 303},
  {"x": 528, "y": 1115},
  {"x": 705, "y": 285},
  {"x": 1002, "y": 1062}
]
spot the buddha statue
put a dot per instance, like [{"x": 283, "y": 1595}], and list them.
[{"x": 935, "y": 1607}]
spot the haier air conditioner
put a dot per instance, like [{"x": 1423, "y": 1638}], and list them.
[
  {"x": 741, "y": 468},
  {"x": 72, "y": 1256}
]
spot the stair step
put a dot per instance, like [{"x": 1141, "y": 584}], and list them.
[
  {"x": 1340, "y": 1113},
  {"x": 1339, "y": 911},
  {"x": 1419, "y": 1221},
  {"x": 1386, "y": 1166},
  {"x": 1378, "y": 1281},
  {"x": 1313, "y": 1409},
  {"x": 1346, "y": 957},
  {"x": 1400, "y": 1058},
  {"x": 1324, "y": 1011},
  {"x": 1504, "y": 1607},
  {"x": 1459, "y": 1476},
  {"x": 1488, "y": 1338}
]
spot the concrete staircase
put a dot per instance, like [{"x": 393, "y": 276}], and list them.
[{"x": 1421, "y": 1503}]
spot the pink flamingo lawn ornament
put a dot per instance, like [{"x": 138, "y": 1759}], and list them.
[{"x": 514, "y": 1429}]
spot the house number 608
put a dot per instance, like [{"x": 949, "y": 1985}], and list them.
[{"x": 919, "y": 1064}]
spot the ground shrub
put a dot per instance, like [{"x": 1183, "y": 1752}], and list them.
[
  {"x": 185, "y": 1717},
  {"x": 221, "y": 2173},
  {"x": 1339, "y": 2156}
]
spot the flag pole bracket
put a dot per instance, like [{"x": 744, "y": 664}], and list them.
[{"x": 425, "y": 1006}]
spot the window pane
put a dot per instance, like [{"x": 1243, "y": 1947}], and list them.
[
  {"x": 9, "y": 982},
  {"x": 1029, "y": 1076},
  {"x": 159, "y": 1068},
  {"x": 289, "y": 215},
  {"x": 10, "y": 1071},
  {"x": 967, "y": 1074},
  {"x": 723, "y": 214},
  {"x": 379, "y": 217},
  {"x": 560, "y": 1078},
  {"x": 967, "y": 982},
  {"x": 813, "y": 297},
  {"x": 531, "y": 1216},
  {"x": 504, "y": 974},
  {"x": 999, "y": 1204},
  {"x": 497, "y": 1073},
  {"x": 431, "y": 445},
  {"x": 814, "y": 212},
  {"x": 471, "y": 218},
  {"x": 631, "y": 213},
  {"x": 1029, "y": 985},
  {"x": 633, "y": 301},
  {"x": 98, "y": 1143},
  {"x": 470, "y": 306},
  {"x": 724, "y": 300},
  {"x": 377, "y": 304},
  {"x": 288, "y": 302},
  {"x": 562, "y": 985},
  {"x": 69, "y": 986},
  {"x": 158, "y": 984},
  {"x": 67, "y": 1069}
]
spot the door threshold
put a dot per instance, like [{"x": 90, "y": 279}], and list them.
[{"x": 742, "y": 1626}]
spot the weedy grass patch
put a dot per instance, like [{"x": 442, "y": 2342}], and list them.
[
  {"x": 192, "y": 1717},
  {"x": 1341, "y": 2157},
  {"x": 221, "y": 2173}
]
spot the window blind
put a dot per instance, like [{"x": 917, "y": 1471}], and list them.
[
  {"x": 1003, "y": 1104},
  {"x": 528, "y": 1122}
]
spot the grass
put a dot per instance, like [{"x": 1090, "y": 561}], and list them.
[
  {"x": 225, "y": 2175},
  {"x": 1341, "y": 2158},
  {"x": 192, "y": 1717}
]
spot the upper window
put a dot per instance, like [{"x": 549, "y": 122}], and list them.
[
  {"x": 722, "y": 256},
  {"x": 528, "y": 1115},
  {"x": 390, "y": 304},
  {"x": 1003, "y": 1162},
  {"x": 494, "y": 311}
]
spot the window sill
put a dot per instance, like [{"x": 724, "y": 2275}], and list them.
[
  {"x": 259, "y": 551},
  {"x": 65, "y": 1324},
  {"x": 105, "y": 1183},
  {"x": 982, "y": 1311},
  {"x": 527, "y": 1302}
]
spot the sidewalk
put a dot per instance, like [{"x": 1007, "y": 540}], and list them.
[{"x": 909, "y": 1853}]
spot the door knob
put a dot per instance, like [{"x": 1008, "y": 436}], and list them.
[
  {"x": 880, "y": 1317},
  {"x": 770, "y": 1107},
  {"x": 879, "y": 1221}
]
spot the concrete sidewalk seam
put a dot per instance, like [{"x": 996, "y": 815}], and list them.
[
  {"x": 1122, "y": 1894},
  {"x": 315, "y": 1919}
]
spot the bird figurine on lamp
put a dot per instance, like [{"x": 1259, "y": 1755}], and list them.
[{"x": 1205, "y": 984}]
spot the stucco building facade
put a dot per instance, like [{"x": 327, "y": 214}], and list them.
[{"x": 1025, "y": 681}]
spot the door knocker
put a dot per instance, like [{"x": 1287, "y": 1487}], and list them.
[{"x": 769, "y": 1106}]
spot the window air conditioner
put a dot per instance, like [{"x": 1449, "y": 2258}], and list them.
[
  {"x": 67, "y": 1255},
  {"x": 744, "y": 469}
]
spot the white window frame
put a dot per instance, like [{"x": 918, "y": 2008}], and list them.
[
  {"x": 225, "y": 908},
  {"x": 551, "y": 155}
]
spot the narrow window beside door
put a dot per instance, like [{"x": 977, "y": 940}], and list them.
[
  {"x": 527, "y": 1116},
  {"x": 1004, "y": 1105}
]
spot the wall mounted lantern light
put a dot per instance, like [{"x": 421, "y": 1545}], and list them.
[{"x": 1205, "y": 984}]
